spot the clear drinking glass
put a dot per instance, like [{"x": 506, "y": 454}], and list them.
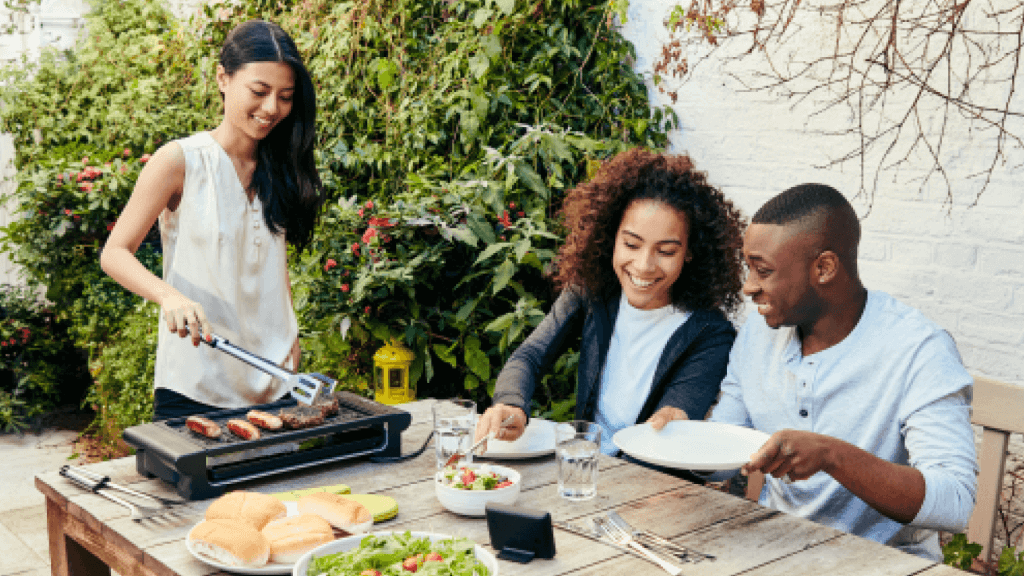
[
  {"x": 454, "y": 426},
  {"x": 577, "y": 447}
]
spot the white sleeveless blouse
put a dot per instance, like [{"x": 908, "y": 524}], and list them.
[{"x": 218, "y": 252}]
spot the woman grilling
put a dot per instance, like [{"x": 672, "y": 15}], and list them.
[
  {"x": 227, "y": 202},
  {"x": 649, "y": 271}
]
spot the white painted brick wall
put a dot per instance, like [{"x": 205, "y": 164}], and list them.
[{"x": 962, "y": 265}]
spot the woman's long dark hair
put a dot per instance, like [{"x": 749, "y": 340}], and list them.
[{"x": 285, "y": 180}]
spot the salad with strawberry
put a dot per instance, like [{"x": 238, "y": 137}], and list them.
[{"x": 479, "y": 478}]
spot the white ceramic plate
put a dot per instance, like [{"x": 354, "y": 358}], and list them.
[
  {"x": 537, "y": 440},
  {"x": 346, "y": 544},
  {"x": 269, "y": 568},
  {"x": 691, "y": 445}
]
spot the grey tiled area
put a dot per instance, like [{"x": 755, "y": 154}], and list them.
[{"x": 23, "y": 539}]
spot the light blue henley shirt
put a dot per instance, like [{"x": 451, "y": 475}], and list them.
[{"x": 895, "y": 387}]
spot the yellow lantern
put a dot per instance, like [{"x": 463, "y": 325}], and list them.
[{"x": 391, "y": 374}]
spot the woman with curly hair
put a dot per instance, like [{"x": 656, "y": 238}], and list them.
[{"x": 650, "y": 269}]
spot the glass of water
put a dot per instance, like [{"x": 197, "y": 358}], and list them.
[
  {"x": 454, "y": 426},
  {"x": 577, "y": 447}
]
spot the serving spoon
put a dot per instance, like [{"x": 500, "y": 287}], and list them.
[{"x": 490, "y": 436}]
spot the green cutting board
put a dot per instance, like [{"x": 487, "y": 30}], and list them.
[{"x": 381, "y": 507}]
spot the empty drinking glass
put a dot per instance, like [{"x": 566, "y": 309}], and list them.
[
  {"x": 577, "y": 447},
  {"x": 454, "y": 425}
]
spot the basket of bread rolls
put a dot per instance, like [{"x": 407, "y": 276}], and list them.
[{"x": 249, "y": 530}]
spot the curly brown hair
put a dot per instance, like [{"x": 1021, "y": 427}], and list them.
[{"x": 593, "y": 212}]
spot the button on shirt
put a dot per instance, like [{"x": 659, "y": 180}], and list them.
[{"x": 895, "y": 387}]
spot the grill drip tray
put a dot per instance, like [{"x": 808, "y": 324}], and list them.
[{"x": 201, "y": 467}]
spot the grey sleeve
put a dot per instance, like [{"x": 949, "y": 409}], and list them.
[{"x": 534, "y": 357}]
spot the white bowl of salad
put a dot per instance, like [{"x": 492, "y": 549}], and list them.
[
  {"x": 466, "y": 488},
  {"x": 387, "y": 553}
]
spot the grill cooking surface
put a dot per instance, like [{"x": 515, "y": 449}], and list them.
[
  {"x": 348, "y": 412},
  {"x": 202, "y": 467}
]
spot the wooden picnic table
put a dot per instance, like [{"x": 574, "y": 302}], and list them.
[{"x": 90, "y": 535}]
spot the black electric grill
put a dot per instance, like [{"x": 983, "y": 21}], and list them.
[{"x": 201, "y": 467}]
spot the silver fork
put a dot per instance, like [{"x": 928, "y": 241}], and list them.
[
  {"x": 138, "y": 511},
  {"x": 656, "y": 541},
  {"x": 623, "y": 538}
]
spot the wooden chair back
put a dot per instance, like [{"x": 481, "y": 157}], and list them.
[{"x": 999, "y": 410}]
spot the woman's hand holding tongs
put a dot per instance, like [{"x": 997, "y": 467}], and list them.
[{"x": 183, "y": 314}]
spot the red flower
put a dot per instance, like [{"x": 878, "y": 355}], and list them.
[
  {"x": 127, "y": 152},
  {"x": 4, "y": 343},
  {"x": 521, "y": 214},
  {"x": 144, "y": 158},
  {"x": 381, "y": 222},
  {"x": 67, "y": 212},
  {"x": 367, "y": 309},
  {"x": 345, "y": 273},
  {"x": 124, "y": 169},
  {"x": 107, "y": 165},
  {"x": 85, "y": 159},
  {"x": 360, "y": 212},
  {"x": 344, "y": 288},
  {"x": 369, "y": 234},
  {"x": 512, "y": 205},
  {"x": 330, "y": 264},
  {"x": 369, "y": 204},
  {"x": 355, "y": 248},
  {"x": 13, "y": 341},
  {"x": 60, "y": 178},
  {"x": 87, "y": 187},
  {"x": 504, "y": 219},
  {"x": 77, "y": 217},
  {"x": 111, "y": 225}
]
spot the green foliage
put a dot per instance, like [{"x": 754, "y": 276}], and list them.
[
  {"x": 1011, "y": 563},
  {"x": 36, "y": 359},
  {"x": 123, "y": 390},
  {"x": 448, "y": 133},
  {"x": 959, "y": 552}
]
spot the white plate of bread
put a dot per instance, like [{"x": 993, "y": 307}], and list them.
[{"x": 253, "y": 533}]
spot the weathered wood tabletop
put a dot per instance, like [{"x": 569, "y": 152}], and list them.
[{"x": 88, "y": 533}]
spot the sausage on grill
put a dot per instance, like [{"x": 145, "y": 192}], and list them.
[
  {"x": 203, "y": 426},
  {"x": 243, "y": 429},
  {"x": 264, "y": 420}
]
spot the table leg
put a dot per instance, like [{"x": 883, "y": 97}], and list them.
[{"x": 67, "y": 556}]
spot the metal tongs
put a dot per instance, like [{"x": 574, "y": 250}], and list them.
[
  {"x": 102, "y": 485},
  {"x": 307, "y": 389}
]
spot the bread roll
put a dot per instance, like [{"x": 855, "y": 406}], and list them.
[
  {"x": 232, "y": 542},
  {"x": 292, "y": 537},
  {"x": 341, "y": 512},
  {"x": 252, "y": 507}
]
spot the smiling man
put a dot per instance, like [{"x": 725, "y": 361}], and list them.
[{"x": 866, "y": 400}]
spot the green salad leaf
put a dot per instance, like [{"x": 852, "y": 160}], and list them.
[{"x": 385, "y": 554}]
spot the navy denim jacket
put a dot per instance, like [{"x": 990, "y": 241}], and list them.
[{"x": 688, "y": 376}]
